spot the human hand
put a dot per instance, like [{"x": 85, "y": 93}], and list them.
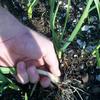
[{"x": 27, "y": 50}]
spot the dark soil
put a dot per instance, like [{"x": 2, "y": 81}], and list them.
[{"x": 78, "y": 66}]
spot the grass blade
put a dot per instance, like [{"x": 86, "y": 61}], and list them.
[
  {"x": 26, "y": 96},
  {"x": 96, "y": 53},
  {"x": 31, "y": 5},
  {"x": 7, "y": 70},
  {"x": 53, "y": 13},
  {"x": 97, "y": 3},
  {"x": 98, "y": 57},
  {"x": 3, "y": 79}
]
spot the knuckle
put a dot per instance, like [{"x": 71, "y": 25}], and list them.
[
  {"x": 24, "y": 82},
  {"x": 51, "y": 44},
  {"x": 57, "y": 63}
]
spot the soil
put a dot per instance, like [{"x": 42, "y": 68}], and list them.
[{"x": 78, "y": 66}]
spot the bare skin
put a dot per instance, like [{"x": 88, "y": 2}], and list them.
[{"x": 27, "y": 50}]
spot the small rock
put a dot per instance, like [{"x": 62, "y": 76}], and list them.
[
  {"x": 74, "y": 21},
  {"x": 90, "y": 48},
  {"x": 60, "y": 2},
  {"x": 93, "y": 19},
  {"x": 75, "y": 56},
  {"x": 81, "y": 8},
  {"x": 85, "y": 28},
  {"x": 98, "y": 77},
  {"x": 81, "y": 66},
  {"x": 24, "y": 18},
  {"x": 85, "y": 78},
  {"x": 82, "y": 44}
]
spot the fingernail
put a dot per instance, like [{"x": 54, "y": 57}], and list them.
[{"x": 22, "y": 78}]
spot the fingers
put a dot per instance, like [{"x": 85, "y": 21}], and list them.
[
  {"x": 24, "y": 75},
  {"x": 52, "y": 61},
  {"x": 33, "y": 74}
]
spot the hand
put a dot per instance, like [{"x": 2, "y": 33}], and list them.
[{"x": 27, "y": 50}]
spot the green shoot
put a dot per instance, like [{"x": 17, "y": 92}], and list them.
[
  {"x": 97, "y": 4},
  {"x": 3, "y": 79},
  {"x": 53, "y": 14},
  {"x": 78, "y": 26},
  {"x": 26, "y": 96},
  {"x": 6, "y": 82},
  {"x": 98, "y": 57},
  {"x": 30, "y": 7},
  {"x": 96, "y": 54}
]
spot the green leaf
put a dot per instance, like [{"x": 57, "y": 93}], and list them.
[
  {"x": 3, "y": 79},
  {"x": 97, "y": 3},
  {"x": 53, "y": 14},
  {"x": 98, "y": 57},
  {"x": 94, "y": 51},
  {"x": 96, "y": 54},
  {"x": 26, "y": 96},
  {"x": 7, "y": 70},
  {"x": 3, "y": 86},
  {"x": 14, "y": 86}
]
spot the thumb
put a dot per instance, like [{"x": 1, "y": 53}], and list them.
[{"x": 52, "y": 62}]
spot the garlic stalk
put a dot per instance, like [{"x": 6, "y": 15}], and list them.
[{"x": 52, "y": 77}]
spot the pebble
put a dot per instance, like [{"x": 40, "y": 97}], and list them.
[
  {"x": 81, "y": 43},
  {"x": 74, "y": 21},
  {"x": 98, "y": 77},
  {"x": 81, "y": 8},
  {"x": 60, "y": 2},
  {"x": 81, "y": 66},
  {"x": 90, "y": 48},
  {"x": 24, "y": 18},
  {"x": 75, "y": 56},
  {"x": 85, "y": 28},
  {"x": 93, "y": 19},
  {"x": 85, "y": 78}
]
